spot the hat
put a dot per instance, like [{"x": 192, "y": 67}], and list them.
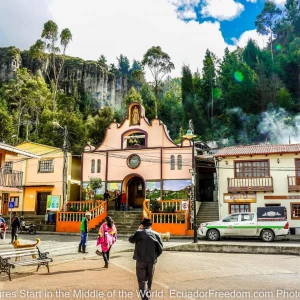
[
  {"x": 146, "y": 222},
  {"x": 88, "y": 213}
]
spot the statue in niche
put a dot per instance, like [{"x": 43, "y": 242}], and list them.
[{"x": 135, "y": 117}]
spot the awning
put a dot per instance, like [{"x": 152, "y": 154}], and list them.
[{"x": 6, "y": 189}]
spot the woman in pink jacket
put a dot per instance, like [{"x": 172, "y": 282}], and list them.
[{"x": 107, "y": 236}]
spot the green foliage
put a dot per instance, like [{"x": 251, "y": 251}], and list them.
[
  {"x": 132, "y": 96},
  {"x": 95, "y": 184},
  {"x": 284, "y": 99},
  {"x": 155, "y": 206}
]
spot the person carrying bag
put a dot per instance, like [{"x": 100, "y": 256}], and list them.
[{"x": 107, "y": 236}]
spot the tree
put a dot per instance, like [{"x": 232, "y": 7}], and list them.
[
  {"x": 102, "y": 61},
  {"x": 123, "y": 65},
  {"x": 160, "y": 65},
  {"x": 209, "y": 77},
  {"x": 50, "y": 38},
  {"x": 265, "y": 21},
  {"x": 27, "y": 96},
  {"x": 95, "y": 184},
  {"x": 132, "y": 96}
]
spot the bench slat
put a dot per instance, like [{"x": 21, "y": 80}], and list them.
[{"x": 30, "y": 262}]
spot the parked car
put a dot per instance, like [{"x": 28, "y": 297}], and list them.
[{"x": 267, "y": 226}]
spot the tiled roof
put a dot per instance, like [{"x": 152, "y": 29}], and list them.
[{"x": 257, "y": 150}]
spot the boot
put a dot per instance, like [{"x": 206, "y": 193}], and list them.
[
  {"x": 83, "y": 249},
  {"x": 106, "y": 265},
  {"x": 79, "y": 248}
]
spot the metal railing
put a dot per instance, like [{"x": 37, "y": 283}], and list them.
[{"x": 10, "y": 178}]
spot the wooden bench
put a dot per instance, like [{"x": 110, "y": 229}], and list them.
[{"x": 23, "y": 257}]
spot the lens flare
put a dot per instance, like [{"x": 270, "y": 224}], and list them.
[
  {"x": 278, "y": 47},
  {"x": 238, "y": 76},
  {"x": 217, "y": 93}
]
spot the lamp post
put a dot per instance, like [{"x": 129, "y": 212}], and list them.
[
  {"x": 65, "y": 166},
  {"x": 190, "y": 135}
]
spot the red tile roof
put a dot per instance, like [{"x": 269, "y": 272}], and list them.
[{"x": 257, "y": 150}]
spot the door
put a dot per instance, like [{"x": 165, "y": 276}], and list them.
[
  {"x": 136, "y": 192},
  {"x": 298, "y": 171},
  {"x": 42, "y": 203},
  {"x": 248, "y": 225},
  {"x": 229, "y": 225},
  {"x": 4, "y": 203}
]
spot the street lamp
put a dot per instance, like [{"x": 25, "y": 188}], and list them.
[
  {"x": 190, "y": 135},
  {"x": 65, "y": 166}
]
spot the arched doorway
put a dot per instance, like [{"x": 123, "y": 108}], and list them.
[{"x": 135, "y": 188}]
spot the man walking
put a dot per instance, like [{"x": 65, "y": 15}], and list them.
[
  {"x": 84, "y": 229},
  {"x": 15, "y": 224},
  {"x": 148, "y": 246}
]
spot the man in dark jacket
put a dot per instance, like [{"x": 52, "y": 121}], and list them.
[
  {"x": 148, "y": 246},
  {"x": 15, "y": 224}
]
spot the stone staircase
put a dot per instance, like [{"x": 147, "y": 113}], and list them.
[
  {"x": 208, "y": 212},
  {"x": 127, "y": 222}
]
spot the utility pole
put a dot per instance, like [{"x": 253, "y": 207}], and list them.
[
  {"x": 65, "y": 165},
  {"x": 65, "y": 169}
]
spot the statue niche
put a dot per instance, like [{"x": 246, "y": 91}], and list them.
[{"x": 135, "y": 115}]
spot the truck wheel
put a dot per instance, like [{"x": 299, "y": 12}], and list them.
[
  {"x": 213, "y": 235},
  {"x": 267, "y": 235}
]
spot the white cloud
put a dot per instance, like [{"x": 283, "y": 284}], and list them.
[
  {"x": 252, "y": 1},
  {"x": 222, "y": 9},
  {"x": 279, "y": 2},
  {"x": 187, "y": 13},
  {"x": 251, "y": 34},
  {"x": 131, "y": 27},
  {"x": 185, "y": 9}
]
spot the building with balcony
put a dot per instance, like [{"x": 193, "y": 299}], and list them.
[
  {"x": 11, "y": 180},
  {"x": 43, "y": 177},
  {"x": 259, "y": 175}
]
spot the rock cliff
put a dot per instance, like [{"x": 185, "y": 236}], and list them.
[{"x": 78, "y": 76}]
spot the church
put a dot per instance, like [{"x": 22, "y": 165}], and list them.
[{"x": 139, "y": 158}]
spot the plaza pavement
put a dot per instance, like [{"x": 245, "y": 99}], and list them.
[{"x": 179, "y": 275}]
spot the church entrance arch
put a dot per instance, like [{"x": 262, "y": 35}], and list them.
[{"x": 134, "y": 186}]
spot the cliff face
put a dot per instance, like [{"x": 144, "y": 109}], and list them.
[
  {"x": 10, "y": 60},
  {"x": 78, "y": 76}
]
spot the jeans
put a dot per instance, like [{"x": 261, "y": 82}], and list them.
[
  {"x": 83, "y": 238},
  {"x": 106, "y": 255},
  {"x": 14, "y": 234},
  {"x": 144, "y": 273},
  {"x": 123, "y": 206}
]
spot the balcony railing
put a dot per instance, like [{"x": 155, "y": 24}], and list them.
[
  {"x": 253, "y": 184},
  {"x": 293, "y": 183},
  {"x": 10, "y": 178}
]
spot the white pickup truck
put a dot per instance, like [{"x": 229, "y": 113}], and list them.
[{"x": 246, "y": 225}]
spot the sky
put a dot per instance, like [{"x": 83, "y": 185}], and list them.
[{"x": 182, "y": 28}]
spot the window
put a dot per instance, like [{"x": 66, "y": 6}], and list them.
[
  {"x": 179, "y": 162},
  {"x": 93, "y": 166},
  {"x": 172, "y": 162},
  {"x": 8, "y": 167},
  {"x": 99, "y": 166},
  {"x": 15, "y": 200},
  {"x": 135, "y": 140},
  {"x": 252, "y": 169},
  {"x": 46, "y": 166},
  {"x": 295, "y": 210},
  {"x": 239, "y": 208},
  {"x": 232, "y": 218},
  {"x": 247, "y": 217}
]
